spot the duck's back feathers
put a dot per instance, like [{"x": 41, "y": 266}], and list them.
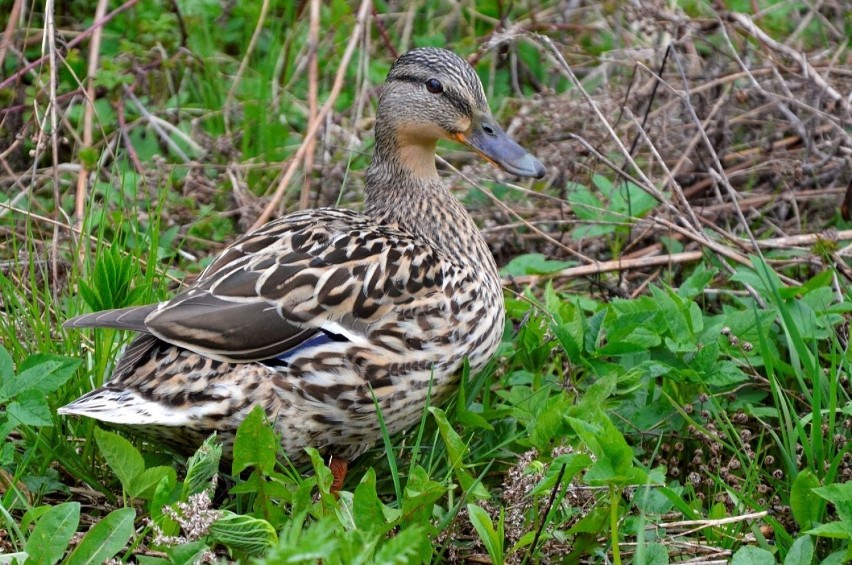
[{"x": 324, "y": 270}]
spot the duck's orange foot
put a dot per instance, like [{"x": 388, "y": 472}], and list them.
[{"x": 338, "y": 467}]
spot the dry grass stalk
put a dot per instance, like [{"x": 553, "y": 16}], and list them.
[
  {"x": 244, "y": 62},
  {"x": 313, "y": 128},
  {"x": 89, "y": 113},
  {"x": 313, "y": 86},
  {"x": 71, "y": 44},
  {"x": 6, "y": 40}
]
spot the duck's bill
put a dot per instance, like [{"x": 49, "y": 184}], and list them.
[{"x": 489, "y": 140}]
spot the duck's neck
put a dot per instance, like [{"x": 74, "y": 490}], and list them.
[{"x": 403, "y": 188}]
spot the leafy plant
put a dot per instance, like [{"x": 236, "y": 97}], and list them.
[
  {"x": 24, "y": 393},
  {"x": 127, "y": 464},
  {"x": 111, "y": 282},
  {"x": 617, "y": 402},
  {"x": 610, "y": 213},
  {"x": 55, "y": 527},
  {"x": 491, "y": 536},
  {"x": 840, "y": 496}
]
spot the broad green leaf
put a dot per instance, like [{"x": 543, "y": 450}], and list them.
[
  {"x": 255, "y": 444},
  {"x": 526, "y": 540},
  {"x": 705, "y": 359},
  {"x": 641, "y": 327},
  {"x": 52, "y": 533},
  {"x": 597, "y": 393},
  {"x": 300, "y": 543},
  {"x": 654, "y": 554},
  {"x": 841, "y": 557},
  {"x": 801, "y": 552},
  {"x": 410, "y": 545},
  {"x": 188, "y": 553},
  {"x": 750, "y": 555},
  {"x": 7, "y": 367},
  {"x": 323, "y": 474},
  {"x": 471, "y": 419},
  {"x": 680, "y": 347},
  {"x": 804, "y": 503},
  {"x": 550, "y": 420},
  {"x": 456, "y": 449},
  {"x": 243, "y": 534},
  {"x": 617, "y": 348},
  {"x": 149, "y": 560},
  {"x": 588, "y": 433},
  {"x": 124, "y": 459},
  {"x": 724, "y": 374},
  {"x": 570, "y": 335},
  {"x": 674, "y": 316},
  {"x": 696, "y": 283},
  {"x": 165, "y": 493},
  {"x": 717, "y": 512},
  {"x": 104, "y": 539},
  {"x": 573, "y": 464},
  {"x": 653, "y": 500},
  {"x": 627, "y": 198},
  {"x": 143, "y": 484},
  {"x": 844, "y": 511},
  {"x": 836, "y": 493},
  {"x": 834, "y": 530},
  {"x": 367, "y": 509},
  {"x": 593, "y": 522},
  {"x": 603, "y": 473},
  {"x": 533, "y": 264},
  {"x": 463, "y": 414},
  {"x": 595, "y": 332},
  {"x": 614, "y": 464},
  {"x": 30, "y": 408},
  {"x": 610, "y": 442},
  {"x": 492, "y": 541},
  {"x": 419, "y": 496},
  {"x": 44, "y": 373},
  {"x": 32, "y": 516},
  {"x": 455, "y": 446},
  {"x": 202, "y": 466},
  {"x": 586, "y": 205},
  {"x": 805, "y": 320}
]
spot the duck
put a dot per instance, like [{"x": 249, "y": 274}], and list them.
[{"x": 326, "y": 317}]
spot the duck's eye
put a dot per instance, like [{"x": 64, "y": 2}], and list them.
[{"x": 434, "y": 86}]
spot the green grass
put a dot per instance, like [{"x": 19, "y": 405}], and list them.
[{"x": 625, "y": 416}]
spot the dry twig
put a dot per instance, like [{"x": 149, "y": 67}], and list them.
[
  {"x": 313, "y": 86},
  {"x": 360, "y": 24},
  {"x": 89, "y": 112}
]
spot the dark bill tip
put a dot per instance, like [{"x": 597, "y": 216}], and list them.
[{"x": 526, "y": 166}]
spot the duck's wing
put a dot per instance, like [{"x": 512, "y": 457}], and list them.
[
  {"x": 206, "y": 324},
  {"x": 326, "y": 274}
]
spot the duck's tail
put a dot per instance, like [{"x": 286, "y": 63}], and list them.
[{"x": 132, "y": 318}]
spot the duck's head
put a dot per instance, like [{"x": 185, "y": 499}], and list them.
[{"x": 433, "y": 94}]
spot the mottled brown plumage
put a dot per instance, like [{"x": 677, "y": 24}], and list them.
[{"x": 314, "y": 313}]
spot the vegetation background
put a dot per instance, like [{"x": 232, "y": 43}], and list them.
[{"x": 674, "y": 382}]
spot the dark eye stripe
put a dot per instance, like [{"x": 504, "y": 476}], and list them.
[
  {"x": 406, "y": 78},
  {"x": 459, "y": 103}
]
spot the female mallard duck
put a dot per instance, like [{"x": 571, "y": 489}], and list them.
[{"x": 313, "y": 314}]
